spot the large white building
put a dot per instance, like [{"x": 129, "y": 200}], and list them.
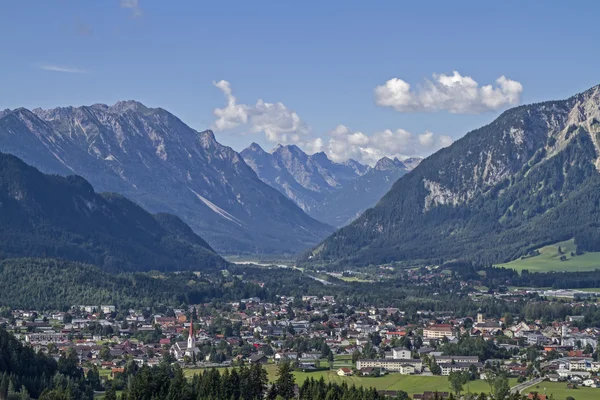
[
  {"x": 408, "y": 366},
  {"x": 438, "y": 331},
  {"x": 46, "y": 337}
]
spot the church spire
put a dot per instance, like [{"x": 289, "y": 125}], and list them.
[{"x": 191, "y": 342}]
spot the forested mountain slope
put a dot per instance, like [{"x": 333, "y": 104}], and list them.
[
  {"x": 63, "y": 217},
  {"x": 527, "y": 179}
]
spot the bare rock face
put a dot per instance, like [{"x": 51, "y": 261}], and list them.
[{"x": 152, "y": 157}]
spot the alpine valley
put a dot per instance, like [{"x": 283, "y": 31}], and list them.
[
  {"x": 153, "y": 158},
  {"x": 334, "y": 193},
  {"x": 528, "y": 179}
]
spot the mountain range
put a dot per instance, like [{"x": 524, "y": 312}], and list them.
[
  {"x": 529, "y": 178},
  {"x": 153, "y": 158},
  {"x": 50, "y": 216},
  {"x": 334, "y": 193}
]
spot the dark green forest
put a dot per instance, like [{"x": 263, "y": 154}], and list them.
[
  {"x": 25, "y": 374},
  {"x": 48, "y": 284},
  {"x": 50, "y": 216}
]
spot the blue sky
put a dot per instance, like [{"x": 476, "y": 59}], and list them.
[{"x": 314, "y": 65}]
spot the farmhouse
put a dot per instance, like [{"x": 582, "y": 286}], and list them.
[{"x": 344, "y": 372}]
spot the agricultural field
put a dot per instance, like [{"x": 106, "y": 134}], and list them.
[
  {"x": 559, "y": 391},
  {"x": 550, "y": 260}
]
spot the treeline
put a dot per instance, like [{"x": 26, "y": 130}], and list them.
[
  {"x": 242, "y": 383},
  {"x": 49, "y": 284},
  {"x": 313, "y": 389},
  {"x": 588, "y": 239},
  {"x": 495, "y": 277}
]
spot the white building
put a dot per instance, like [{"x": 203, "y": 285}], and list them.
[
  {"x": 402, "y": 366},
  {"x": 401, "y": 353}
]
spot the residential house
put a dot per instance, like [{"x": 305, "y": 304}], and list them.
[{"x": 344, "y": 371}]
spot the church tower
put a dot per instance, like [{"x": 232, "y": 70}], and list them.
[
  {"x": 480, "y": 318},
  {"x": 191, "y": 342}
]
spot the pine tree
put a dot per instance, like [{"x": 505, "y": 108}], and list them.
[
  {"x": 4, "y": 387},
  {"x": 111, "y": 393},
  {"x": 285, "y": 381}
]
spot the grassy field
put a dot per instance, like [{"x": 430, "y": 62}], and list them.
[
  {"x": 559, "y": 391},
  {"x": 549, "y": 260},
  {"x": 409, "y": 383},
  {"x": 591, "y": 290},
  {"x": 354, "y": 279}
]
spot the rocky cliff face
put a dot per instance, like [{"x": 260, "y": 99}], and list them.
[
  {"x": 152, "y": 157},
  {"x": 490, "y": 195}
]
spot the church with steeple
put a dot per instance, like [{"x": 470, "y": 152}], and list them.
[
  {"x": 182, "y": 349},
  {"x": 191, "y": 349}
]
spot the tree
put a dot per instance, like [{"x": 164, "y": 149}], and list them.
[
  {"x": 355, "y": 356},
  {"x": 456, "y": 380},
  {"x": 111, "y": 393},
  {"x": 499, "y": 388},
  {"x": 285, "y": 382},
  {"x": 588, "y": 349},
  {"x": 331, "y": 359},
  {"x": 93, "y": 377},
  {"x": 508, "y": 319},
  {"x": 434, "y": 367},
  {"x": 105, "y": 353},
  {"x": 402, "y": 395}
]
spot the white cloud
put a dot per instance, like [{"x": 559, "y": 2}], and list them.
[
  {"x": 59, "y": 68},
  {"x": 343, "y": 144},
  {"x": 134, "y": 5},
  {"x": 454, "y": 93},
  {"x": 279, "y": 123}
]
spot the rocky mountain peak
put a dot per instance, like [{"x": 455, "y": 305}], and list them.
[
  {"x": 255, "y": 147},
  {"x": 122, "y": 107},
  {"x": 412, "y": 162},
  {"x": 386, "y": 164}
]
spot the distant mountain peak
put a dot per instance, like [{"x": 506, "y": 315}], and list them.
[
  {"x": 291, "y": 148},
  {"x": 386, "y": 164},
  {"x": 412, "y": 162},
  {"x": 121, "y": 107},
  {"x": 256, "y": 147},
  {"x": 321, "y": 155}
]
